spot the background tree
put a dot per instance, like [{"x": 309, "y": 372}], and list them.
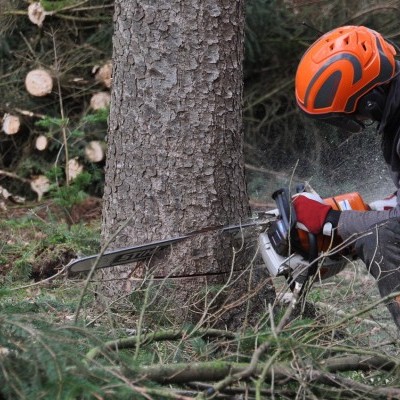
[
  {"x": 175, "y": 161},
  {"x": 278, "y": 138}
]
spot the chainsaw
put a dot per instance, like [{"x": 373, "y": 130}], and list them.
[
  {"x": 286, "y": 248},
  {"x": 289, "y": 250}
]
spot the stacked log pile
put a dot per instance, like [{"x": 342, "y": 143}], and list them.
[{"x": 55, "y": 93}]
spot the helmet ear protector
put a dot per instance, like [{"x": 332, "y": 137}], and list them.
[
  {"x": 372, "y": 104},
  {"x": 339, "y": 76}
]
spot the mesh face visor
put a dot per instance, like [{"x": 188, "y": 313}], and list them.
[{"x": 347, "y": 122}]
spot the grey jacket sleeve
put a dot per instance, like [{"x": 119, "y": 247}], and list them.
[{"x": 351, "y": 222}]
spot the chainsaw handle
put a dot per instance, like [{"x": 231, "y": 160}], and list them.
[
  {"x": 285, "y": 208},
  {"x": 313, "y": 252}
]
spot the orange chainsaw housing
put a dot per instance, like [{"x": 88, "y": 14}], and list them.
[
  {"x": 342, "y": 202},
  {"x": 347, "y": 201}
]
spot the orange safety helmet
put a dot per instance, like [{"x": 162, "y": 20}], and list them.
[{"x": 341, "y": 67}]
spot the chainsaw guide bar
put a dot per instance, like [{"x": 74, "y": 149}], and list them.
[
  {"x": 142, "y": 252},
  {"x": 120, "y": 256}
]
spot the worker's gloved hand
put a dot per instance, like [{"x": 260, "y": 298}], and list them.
[
  {"x": 385, "y": 204},
  {"x": 313, "y": 213}
]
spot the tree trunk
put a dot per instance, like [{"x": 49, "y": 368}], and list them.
[{"x": 175, "y": 161}]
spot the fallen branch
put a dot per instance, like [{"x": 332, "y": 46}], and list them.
[
  {"x": 43, "y": 282},
  {"x": 350, "y": 387},
  {"x": 197, "y": 371},
  {"x": 262, "y": 349},
  {"x": 14, "y": 176},
  {"x": 358, "y": 363},
  {"x": 130, "y": 342},
  {"x": 280, "y": 372}
]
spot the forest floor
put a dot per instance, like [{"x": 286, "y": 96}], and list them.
[
  {"x": 44, "y": 237},
  {"x": 38, "y": 240}
]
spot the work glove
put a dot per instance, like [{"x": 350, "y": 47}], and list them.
[{"x": 314, "y": 214}]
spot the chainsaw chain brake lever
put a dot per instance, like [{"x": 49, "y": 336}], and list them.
[
  {"x": 285, "y": 208},
  {"x": 287, "y": 224}
]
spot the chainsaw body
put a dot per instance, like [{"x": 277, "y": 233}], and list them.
[{"x": 287, "y": 250}]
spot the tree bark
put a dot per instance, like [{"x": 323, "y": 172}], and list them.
[{"x": 175, "y": 160}]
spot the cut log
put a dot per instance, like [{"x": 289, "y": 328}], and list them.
[
  {"x": 103, "y": 74},
  {"x": 95, "y": 151},
  {"x": 100, "y": 100},
  {"x": 74, "y": 169},
  {"x": 11, "y": 124},
  {"x": 36, "y": 13},
  {"x": 39, "y": 82},
  {"x": 6, "y": 195},
  {"x": 40, "y": 185},
  {"x": 41, "y": 143}
]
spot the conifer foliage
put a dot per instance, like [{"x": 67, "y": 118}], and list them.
[{"x": 55, "y": 91}]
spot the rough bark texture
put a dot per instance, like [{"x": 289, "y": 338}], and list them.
[{"x": 174, "y": 159}]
